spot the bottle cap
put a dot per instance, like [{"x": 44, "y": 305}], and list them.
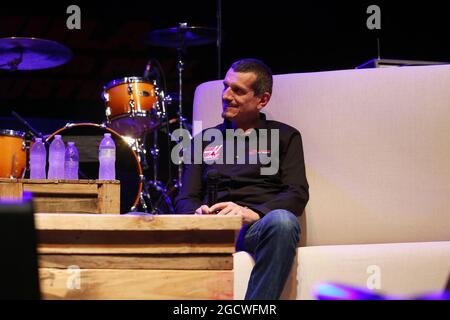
[
  {"x": 38, "y": 140},
  {"x": 70, "y": 143},
  {"x": 107, "y": 135},
  {"x": 58, "y": 136}
]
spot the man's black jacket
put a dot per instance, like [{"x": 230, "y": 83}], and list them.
[{"x": 243, "y": 183}]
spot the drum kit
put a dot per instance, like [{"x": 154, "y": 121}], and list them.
[{"x": 135, "y": 108}]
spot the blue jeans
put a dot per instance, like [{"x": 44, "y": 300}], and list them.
[{"x": 272, "y": 241}]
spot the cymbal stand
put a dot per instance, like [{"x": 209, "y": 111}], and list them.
[
  {"x": 181, "y": 120},
  {"x": 154, "y": 151},
  {"x": 180, "y": 68}
]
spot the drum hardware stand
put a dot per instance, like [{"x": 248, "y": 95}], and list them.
[
  {"x": 26, "y": 146},
  {"x": 131, "y": 101},
  {"x": 141, "y": 152},
  {"x": 139, "y": 146},
  {"x": 154, "y": 151},
  {"x": 145, "y": 197},
  {"x": 181, "y": 119},
  {"x": 145, "y": 194},
  {"x": 157, "y": 184},
  {"x": 182, "y": 30},
  {"x": 108, "y": 120}
]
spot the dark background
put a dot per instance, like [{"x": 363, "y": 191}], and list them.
[{"x": 290, "y": 36}]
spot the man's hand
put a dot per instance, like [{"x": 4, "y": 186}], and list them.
[
  {"x": 204, "y": 209},
  {"x": 232, "y": 209}
]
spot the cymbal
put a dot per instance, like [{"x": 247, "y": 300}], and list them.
[
  {"x": 18, "y": 53},
  {"x": 182, "y": 36}
]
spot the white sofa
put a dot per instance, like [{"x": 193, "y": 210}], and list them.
[{"x": 377, "y": 153}]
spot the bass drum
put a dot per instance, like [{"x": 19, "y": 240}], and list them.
[{"x": 87, "y": 137}]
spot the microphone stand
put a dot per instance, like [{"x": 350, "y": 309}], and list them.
[{"x": 31, "y": 130}]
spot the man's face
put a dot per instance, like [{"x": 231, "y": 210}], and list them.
[{"x": 239, "y": 102}]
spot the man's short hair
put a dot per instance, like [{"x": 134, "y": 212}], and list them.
[{"x": 263, "y": 82}]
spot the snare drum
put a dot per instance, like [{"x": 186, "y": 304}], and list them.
[
  {"x": 14, "y": 156},
  {"x": 131, "y": 105},
  {"x": 87, "y": 137}
]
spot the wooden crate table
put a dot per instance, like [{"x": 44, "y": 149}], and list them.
[
  {"x": 83, "y": 256},
  {"x": 66, "y": 196}
]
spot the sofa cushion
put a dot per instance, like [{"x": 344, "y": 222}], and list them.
[{"x": 401, "y": 270}]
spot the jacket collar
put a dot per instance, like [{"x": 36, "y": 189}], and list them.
[{"x": 262, "y": 123}]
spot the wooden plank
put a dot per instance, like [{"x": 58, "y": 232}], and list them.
[
  {"x": 130, "y": 242},
  {"x": 181, "y": 248},
  {"x": 57, "y": 204},
  {"x": 136, "y": 223},
  {"x": 135, "y": 284},
  {"x": 56, "y": 181},
  {"x": 8, "y": 180},
  {"x": 108, "y": 199},
  {"x": 154, "y": 262},
  {"x": 10, "y": 190},
  {"x": 61, "y": 188},
  {"x": 100, "y": 237}
]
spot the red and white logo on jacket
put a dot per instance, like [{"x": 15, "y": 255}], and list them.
[{"x": 212, "y": 153}]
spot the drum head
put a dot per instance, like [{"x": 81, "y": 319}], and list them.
[
  {"x": 87, "y": 137},
  {"x": 135, "y": 126}
]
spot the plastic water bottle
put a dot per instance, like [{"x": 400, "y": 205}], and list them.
[
  {"x": 71, "y": 162},
  {"x": 56, "y": 158},
  {"x": 38, "y": 160},
  {"x": 107, "y": 158}
]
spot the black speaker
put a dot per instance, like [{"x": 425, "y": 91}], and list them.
[{"x": 19, "y": 263}]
